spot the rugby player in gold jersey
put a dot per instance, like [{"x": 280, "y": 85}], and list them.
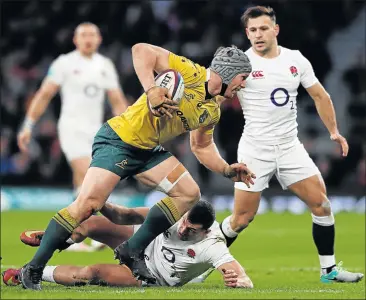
[{"x": 130, "y": 145}]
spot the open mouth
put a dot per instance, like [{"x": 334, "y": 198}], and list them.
[{"x": 259, "y": 43}]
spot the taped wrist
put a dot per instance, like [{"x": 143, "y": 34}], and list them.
[{"x": 28, "y": 124}]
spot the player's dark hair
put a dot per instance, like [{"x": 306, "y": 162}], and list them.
[
  {"x": 257, "y": 11},
  {"x": 202, "y": 213}
]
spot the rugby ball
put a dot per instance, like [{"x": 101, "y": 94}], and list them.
[{"x": 173, "y": 81}]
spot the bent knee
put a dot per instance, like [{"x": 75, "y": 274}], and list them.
[
  {"x": 321, "y": 207},
  {"x": 85, "y": 205},
  {"x": 192, "y": 194},
  {"x": 186, "y": 191}
]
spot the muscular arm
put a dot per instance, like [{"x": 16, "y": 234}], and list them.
[
  {"x": 234, "y": 275},
  {"x": 147, "y": 59},
  {"x": 204, "y": 148},
  {"x": 325, "y": 108},
  {"x": 124, "y": 216},
  {"x": 118, "y": 101}
]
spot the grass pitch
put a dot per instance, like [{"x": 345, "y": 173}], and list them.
[{"x": 277, "y": 251}]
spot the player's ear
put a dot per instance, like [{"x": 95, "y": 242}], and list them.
[
  {"x": 247, "y": 32},
  {"x": 277, "y": 29},
  {"x": 100, "y": 39},
  {"x": 74, "y": 40}
]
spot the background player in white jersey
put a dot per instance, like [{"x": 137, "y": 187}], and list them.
[
  {"x": 82, "y": 76},
  {"x": 175, "y": 257},
  {"x": 269, "y": 144}
]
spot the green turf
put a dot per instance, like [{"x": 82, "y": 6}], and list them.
[{"x": 276, "y": 250}]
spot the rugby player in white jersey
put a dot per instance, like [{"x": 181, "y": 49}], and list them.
[
  {"x": 82, "y": 76},
  {"x": 175, "y": 257},
  {"x": 269, "y": 144}
]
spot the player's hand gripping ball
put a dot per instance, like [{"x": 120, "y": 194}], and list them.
[{"x": 165, "y": 96}]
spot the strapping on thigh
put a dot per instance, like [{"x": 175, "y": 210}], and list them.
[{"x": 172, "y": 178}]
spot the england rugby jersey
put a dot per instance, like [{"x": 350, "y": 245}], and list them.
[
  {"x": 269, "y": 98},
  {"x": 175, "y": 262},
  {"x": 83, "y": 82}
]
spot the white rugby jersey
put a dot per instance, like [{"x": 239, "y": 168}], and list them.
[
  {"x": 269, "y": 98},
  {"x": 83, "y": 82},
  {"x": 175, "y": 262}
]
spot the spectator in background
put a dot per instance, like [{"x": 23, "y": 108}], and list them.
[
  {"x": 35, "y": 32},
  {"x": 83, "y": 76}
]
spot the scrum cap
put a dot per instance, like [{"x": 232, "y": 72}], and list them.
[{"x": 229, "y": 62}]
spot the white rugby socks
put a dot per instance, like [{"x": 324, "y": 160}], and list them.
[
  {"x": 48, "y": 274},
  {"x": 226, "y": 228}
]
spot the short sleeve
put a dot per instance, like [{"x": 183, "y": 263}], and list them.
[
  {"x": 191, "y": 72},
  {"x": 56, "y": 72},
  {"x": 215, "y": 113},
  {"x": 307, "y": 75},
  {"x": 112, "y": 81},
  {"x": 217, "y": 254}
]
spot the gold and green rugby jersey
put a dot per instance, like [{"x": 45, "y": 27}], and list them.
[{"x": 138, "y": 127}]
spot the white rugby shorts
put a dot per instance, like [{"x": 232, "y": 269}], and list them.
[
  {"x": 76, "y": 142},
  {"x": 290, "y": 162}
]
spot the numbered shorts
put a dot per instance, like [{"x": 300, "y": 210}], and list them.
[
  {"x": 113, "y": 154},
  {"x": 76, "y": 143},
  {"x": 289, "y": 162}
]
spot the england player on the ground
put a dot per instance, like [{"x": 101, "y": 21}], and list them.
[
  {"x": 175, "y": 257},
  {"x": 82, "y": 76},
  {"x": 269, "y": 144}
]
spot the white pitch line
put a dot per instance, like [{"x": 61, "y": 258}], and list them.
[
  {"x": 290, "y": 269},
  {"x": 9, "y": 267}
]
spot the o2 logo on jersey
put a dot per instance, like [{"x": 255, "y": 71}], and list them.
[
  {"x": 167, "y": 234},
  {"x": 279, "y": 90},
  {"x": 168, "y": 254},
  {"x": 91, "y": 90}
]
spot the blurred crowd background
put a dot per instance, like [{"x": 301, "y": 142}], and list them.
[{"x": 331, "y": 34}]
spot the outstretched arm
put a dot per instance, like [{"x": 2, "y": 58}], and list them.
[
  {"x": 121, "y": 215},
  {"x": 107, "y": 229},
  {"x": 234, "y": 275},
  {"x": 325, "y": 108},
  {"x": 204, "y": 148}
]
